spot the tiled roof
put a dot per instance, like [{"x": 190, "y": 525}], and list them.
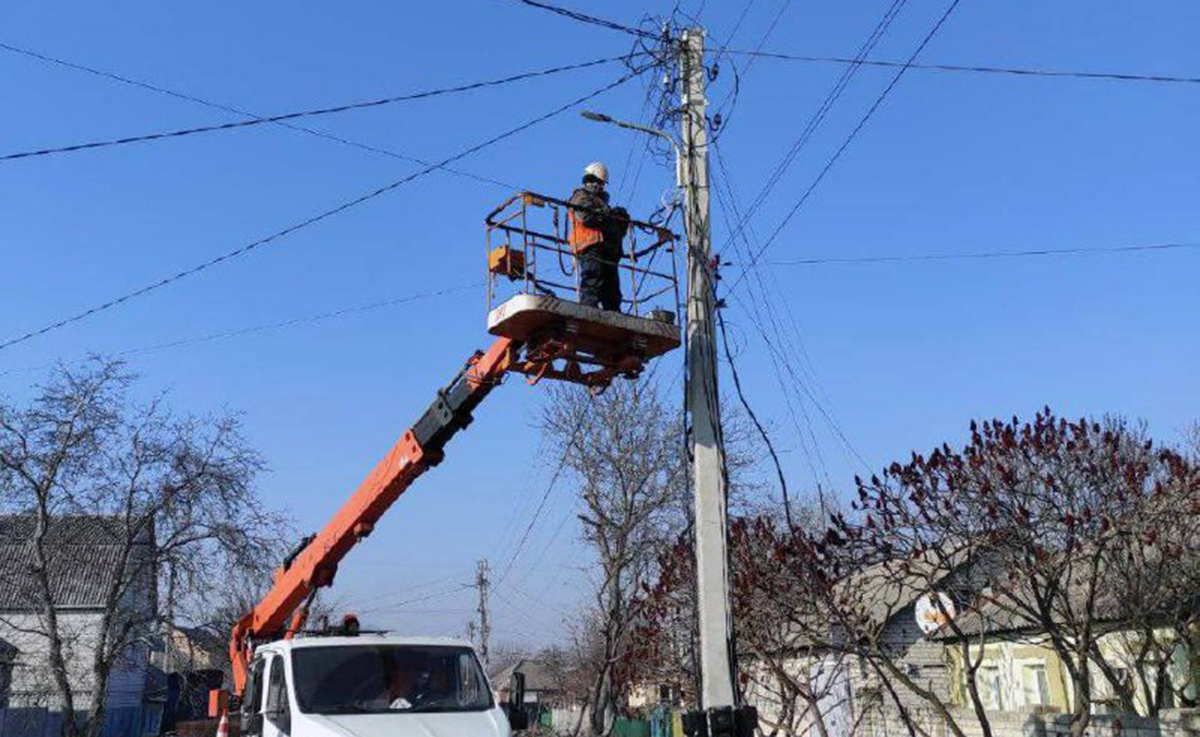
[{"x": 84, "y": 559}]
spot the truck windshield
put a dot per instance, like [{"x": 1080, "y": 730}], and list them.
[{"x": 365, "y": 679}]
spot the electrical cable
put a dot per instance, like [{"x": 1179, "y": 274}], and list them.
[
  {"x": 301, "y": 320},
  {"x": 806, "y": 435},
  {"x": 720, "y": 52},
  {"x": 1015, "y": 71},
  {"x": 523, "y": 611},
  {"x": 762, "y": 431},
  {"x": 408, "y": 589},
  {"x": 562, "y": 523},
  {"x": 291, "y": 322},
  {"x": 179, "y": 133},
  {"x": 822, "y": 112},
  {"x": 1079, "y": 251},
  {"x": 230, "y": 109},
  {"x": 850, "y": 138},
  {"x": 783, "y": 8},
  {"x": 730, "y": 100},
  {"x": 590, "y": 19},
  {"x": 559, "y": 468},
  {"x": 737, "y": 26},
  {"x": 416, "y": 600},
  {"x": 312, "y": 220},
  {"x": 780, "y": 357}
]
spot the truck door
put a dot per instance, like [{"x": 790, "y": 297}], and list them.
[
  {"x": 252, "y": 700},
  {"x": 277, "y": 712}
]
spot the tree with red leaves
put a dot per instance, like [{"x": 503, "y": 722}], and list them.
[
  {"x": 1071, "y": 530},
  {"x": 1068, "y": 520}
]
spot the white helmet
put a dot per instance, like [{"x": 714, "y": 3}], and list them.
[{"x": 597, "y": 169}]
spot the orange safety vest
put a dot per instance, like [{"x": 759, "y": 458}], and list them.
[{"x": 582, "y": 237}]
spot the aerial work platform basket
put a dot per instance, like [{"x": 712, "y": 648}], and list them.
[{"x": 533, "y": 295}]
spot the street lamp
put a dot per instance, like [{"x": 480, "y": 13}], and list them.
[{"x": 602, "y": 118}]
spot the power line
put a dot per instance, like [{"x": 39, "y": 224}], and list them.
[
  {"x": 783, "y": 8},
  {"x": 238, "y": 332},
  {"x": 305, "y": 113},
  {"x": 850, "y": 138},
  {"x": 762, "y": 431},
  {"x": 589, "y": 19},
  {"x": 312, "y": 220},
  {"x": 1083, "y": 250},
  {"x": 416, "y": 600},
  {"x": 559, "y": 468},
  {"x": 300, "y": 320},
  {"x": 730, "y": 100},
  {"x": 796, "y": 384},
  {"x": 230, "y": 109},
  {"x": 822, "y": 112},
  {"x": 407, "y": 589},
  {"x": 737, "y": 26},
  {"x": 1016, "y": 71}
]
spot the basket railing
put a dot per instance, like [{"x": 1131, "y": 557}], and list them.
[{"x": 538, "y": 258}]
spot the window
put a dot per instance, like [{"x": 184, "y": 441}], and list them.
[
  {"x": 1035, "y": 684},
  {"x": 278, "y": 710},
  {"x": 355, "y": 679},
  {"x": 991, "y": 690},
  {"x": 252, "y": 699}
]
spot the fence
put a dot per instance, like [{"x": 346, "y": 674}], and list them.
[
  {"x": 39, "y": 721},
  {"x": 662, "y": 723}
]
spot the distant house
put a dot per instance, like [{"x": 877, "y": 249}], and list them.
[
  {"x": 187, "y": 649},
  {"x": 851, "y": 698},
  {"x": 86, "y": 555},
  {"x": 1025, "y": 688},
  {"x": 543, "y": 684},
  {"x": 194, "y": 661},
  {"x": 1021, "y": 673}
]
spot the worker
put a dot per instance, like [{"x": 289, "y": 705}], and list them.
[{"x": 597, "y": 231}]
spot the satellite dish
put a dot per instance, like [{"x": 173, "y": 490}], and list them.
[{"x": 930, "y": 615}]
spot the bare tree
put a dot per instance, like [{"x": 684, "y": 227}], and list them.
[
  {"x": 623, "y": 447},
  {"x": 176, "y": 501}
]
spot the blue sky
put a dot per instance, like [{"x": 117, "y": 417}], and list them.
[{"x": 899, "y": 356}]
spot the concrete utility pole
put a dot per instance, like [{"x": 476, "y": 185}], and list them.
[
  {"x": 717, "y": 694},
  {"x": 485, "y": 629},
  {"x": 719, "y": 714}
]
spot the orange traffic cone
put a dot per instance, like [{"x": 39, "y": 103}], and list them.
[{"x": 223, "y": 725}]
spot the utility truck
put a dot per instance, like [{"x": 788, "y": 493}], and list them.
[
  {"x": 344, "y": 683},
  {"x": 371, "y": 685}
]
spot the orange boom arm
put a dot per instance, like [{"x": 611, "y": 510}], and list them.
[{"x": 283, "y": 610}]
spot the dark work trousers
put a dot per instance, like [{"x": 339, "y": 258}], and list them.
[{"x": 599, "y": 278}]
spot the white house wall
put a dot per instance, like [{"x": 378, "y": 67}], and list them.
[{"x": 32, "y": 679}]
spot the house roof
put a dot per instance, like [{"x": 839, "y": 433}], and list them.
[
  {"x": 996, "y": 614},
  {"x": 879, "y": 592},
  {"x": 85, "y": 554},
  {"x": 538, "y": 676},
  {"x": 1007, "y": 606}
]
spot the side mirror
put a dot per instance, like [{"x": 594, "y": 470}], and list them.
[{"x": 518, "y": 718}]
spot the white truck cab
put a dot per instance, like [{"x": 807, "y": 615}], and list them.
[{"x": 370, "y": 686}]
